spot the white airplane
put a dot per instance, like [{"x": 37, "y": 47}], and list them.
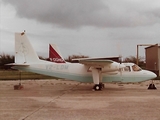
[
  {"x": 87, "y": 70},
  {"x": 54, "y": 54}
]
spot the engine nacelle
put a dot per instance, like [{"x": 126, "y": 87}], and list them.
[{"x": 112, "y": 67}]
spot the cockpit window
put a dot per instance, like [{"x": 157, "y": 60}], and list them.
[
  {"x": 127, "y": 68},
  {"x": 136, "y": 68}
]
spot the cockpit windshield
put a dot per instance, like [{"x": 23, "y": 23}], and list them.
[
  {"x": 136, "y": 68},
  {"x": 127, "y": 69}
]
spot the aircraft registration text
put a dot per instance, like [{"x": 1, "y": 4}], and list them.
[{"x": 57, "y": 67}]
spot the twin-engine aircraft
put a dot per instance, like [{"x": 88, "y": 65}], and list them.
[{"x": 87, "y": 70}]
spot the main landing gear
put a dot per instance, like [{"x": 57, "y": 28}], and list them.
[
  {"x": 97, "y": 79},
  {"x": 98, "y": 87}
]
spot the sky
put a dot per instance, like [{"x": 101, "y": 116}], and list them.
[{"x": 95, "y": 28}]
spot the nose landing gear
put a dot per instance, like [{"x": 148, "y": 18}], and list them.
[{"x": 152, "y": 86}]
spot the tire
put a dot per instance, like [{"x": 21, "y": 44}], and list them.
[{"x": 97, "y": 87}]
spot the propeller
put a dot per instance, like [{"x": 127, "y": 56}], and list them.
[
  {"x": 121, "y": 66},
  {"x": 120, "y": 59}
]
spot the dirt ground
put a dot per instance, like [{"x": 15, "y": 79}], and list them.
[{"x": 67, "y": 100}]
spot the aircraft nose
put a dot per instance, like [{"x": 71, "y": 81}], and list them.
[{"x": 152, "y": 75}]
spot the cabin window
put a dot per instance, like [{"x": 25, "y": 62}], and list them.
[
  {"x": 136, "y": 68},
  {"x": 127, "y": 68}
]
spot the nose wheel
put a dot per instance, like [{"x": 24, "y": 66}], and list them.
[{"x": 152, "y": 86}]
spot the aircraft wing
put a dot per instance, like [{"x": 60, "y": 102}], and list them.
[
  {"x": 94, "y": 62},
  {"x": 98, "y": 58}
]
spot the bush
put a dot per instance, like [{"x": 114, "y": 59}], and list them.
[{"x": 6, "y": 59}]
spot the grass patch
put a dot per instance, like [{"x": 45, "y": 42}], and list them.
[{"x": 16, "y": 75}]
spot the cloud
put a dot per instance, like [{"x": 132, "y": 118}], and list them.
[
  {"x": 106, "y": 25},
  {"x": 70, "y": 13},
  {"x": 79, "y": 13}
]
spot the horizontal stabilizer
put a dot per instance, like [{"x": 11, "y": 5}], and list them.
[{"x": 15, "y": 64}]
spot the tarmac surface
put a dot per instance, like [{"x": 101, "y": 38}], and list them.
[{"x": 68, "y": 100}]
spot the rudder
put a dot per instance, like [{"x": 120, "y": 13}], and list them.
[{"x": 24, "y": 52}]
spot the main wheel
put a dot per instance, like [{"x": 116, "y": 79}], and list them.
[
  {"x": 101, "y": 85},
  {"x": 97, "y": 87}
]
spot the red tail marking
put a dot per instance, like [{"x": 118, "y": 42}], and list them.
[{"x": 54, "y": 56}]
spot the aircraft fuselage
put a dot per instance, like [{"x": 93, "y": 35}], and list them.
[{"x": 82, "y": 73}]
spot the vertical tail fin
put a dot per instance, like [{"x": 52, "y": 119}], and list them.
[
  {"x": 54, "y": 54},
  {"x": 24, "y": 52}
]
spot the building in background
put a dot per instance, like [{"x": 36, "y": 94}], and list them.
[{"x": 153, "y": 58}]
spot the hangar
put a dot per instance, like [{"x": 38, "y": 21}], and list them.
[{"x": 153, "y": 58}]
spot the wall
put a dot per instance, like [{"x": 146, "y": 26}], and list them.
[{"x": 152, "y": 62}]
